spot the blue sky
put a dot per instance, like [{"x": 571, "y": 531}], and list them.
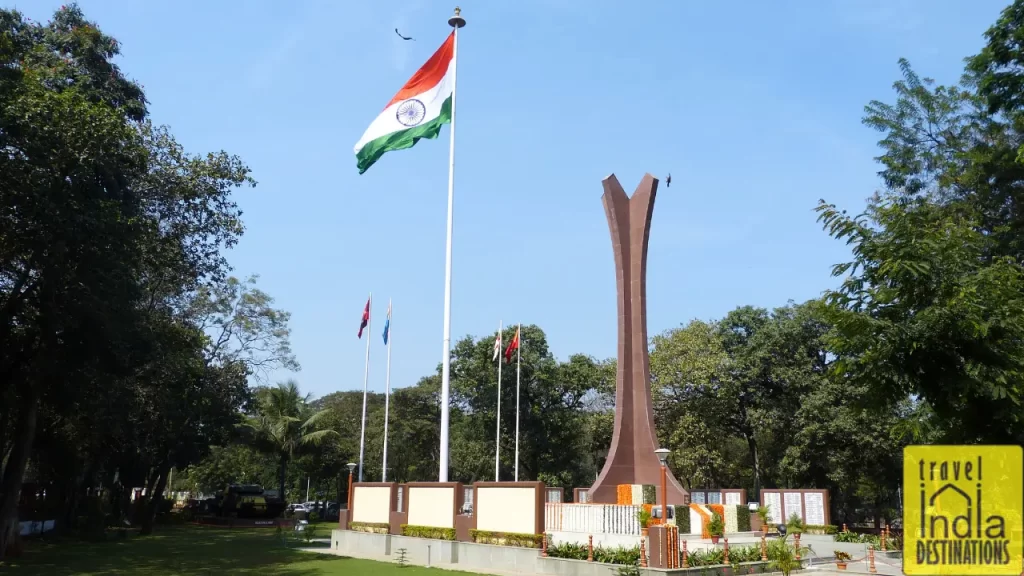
[{"x": 754, "y": 107}]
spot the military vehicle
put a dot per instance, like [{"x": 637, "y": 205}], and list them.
[{"x": 248, "y": 501}]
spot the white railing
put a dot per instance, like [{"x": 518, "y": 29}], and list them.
[{"x": 591, "y": 518}]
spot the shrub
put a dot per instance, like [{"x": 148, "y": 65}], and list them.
[
  {"x": 742, "y": 519},
  {"x": 507, "y": 538},
  {"x": 795, "y": 524},
  {"x": 569, "y": 550},
  {"x": 371, "y": 527},
  {"x": 575, "y": 551},
  {"x": 643, "y": 516},
  {"x": 716, "y": 527},
  {"x": 619, "y": 555},
  {"x": 428, "y": 532},
  {"x": 762, "y": 513}
]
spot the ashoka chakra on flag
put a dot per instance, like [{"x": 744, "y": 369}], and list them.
[{"x": 418, "y": 111}]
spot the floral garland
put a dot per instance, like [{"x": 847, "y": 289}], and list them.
[
  {"x": 705, "y": 519},
  {"x": 624, "y": 495}
]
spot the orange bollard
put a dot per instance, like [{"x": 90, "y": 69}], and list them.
[
  {"x": 643, "y": 553},
  {"x": 725, "y": 552},
  {"x": 764, "y": 549},
  {"x": 844, "y": 527},
  {"x": 590, "y": 548},
  {"x": 686, "y": 563},
  {"x": 871, "y": 559},
  {"x": 796, "y": 542},
  {"x": 544, "y": 546}
]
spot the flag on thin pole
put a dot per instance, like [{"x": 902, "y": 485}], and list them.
[
  {"x": 497, "y": 424},
  {"x": 418, "y": 111},
  {"x": 512, "y": 347},
  {"x": 387, "y": 325},
  {"x": 366, "y": 319}
]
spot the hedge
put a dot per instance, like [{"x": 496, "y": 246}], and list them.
[
  {"x": 683, "y": 519},
  {"x": 428, "y": 532},
  {"x": 819, "y": 529},
  {"x": 371, "y": 527},
  {"x": 742, "y": 519},
  {"x": 507, "y": 538}
]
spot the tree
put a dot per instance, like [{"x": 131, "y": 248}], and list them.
[{"x": 284, "y": 425}]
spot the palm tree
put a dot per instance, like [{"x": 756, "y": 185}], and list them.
[{"x": 285, "y": 424}]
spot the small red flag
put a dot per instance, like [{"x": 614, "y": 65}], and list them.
[
  {"x": 366, "y": 318},
  {"x": 512, "y": 346}
]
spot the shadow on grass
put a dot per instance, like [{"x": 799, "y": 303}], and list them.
[{"x": 174, "y": 550}]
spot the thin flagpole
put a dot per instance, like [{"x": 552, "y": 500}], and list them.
[
  {"x": 455, "y": 22},
  {"x": 387, "y": 398},
  {"x": 519, "y": 347},
  {"x": 366, "y": 375},
  {"x": 497, "y": 433}
]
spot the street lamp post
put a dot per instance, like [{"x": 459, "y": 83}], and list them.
[
  {"x": 351, "y": 470},
  {"x": 662, "y": 454}
]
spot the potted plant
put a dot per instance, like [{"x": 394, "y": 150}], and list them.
[
  {"x": 762, "y": 513},
  {"x": 643, "y": 515},
  {"x": 716, "y": 527},
  {"x": 841, "y": 559}
]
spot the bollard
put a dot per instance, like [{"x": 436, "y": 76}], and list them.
[
  {"x": 544, "y": 546},
  {"x": 871, "y": 559},
  {"x": 883, "y": 539},
  {"x": 764, "y": 549},
  {"x": 590, "y": 548},
  {"x": 796, "y": 544},
  {"x": 686, "y": 563},
  {"x": 844, "y": 527},
  {"x": 725, "y": 552},
  {"x": 643, "y": 553}
]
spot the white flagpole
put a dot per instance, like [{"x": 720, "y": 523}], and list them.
[
  {"x": 366, "y": 374},
  {"x": 519, "y": 346},
  {"x": 387, "y": 398},
  {"x": 497, "y": 433},
  {"x": 455, "y": 22}
]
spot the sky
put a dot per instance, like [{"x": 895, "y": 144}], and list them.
[{"x": 754, "y": 108}]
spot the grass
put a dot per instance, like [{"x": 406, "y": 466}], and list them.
[{"x": 174, "y": 550}]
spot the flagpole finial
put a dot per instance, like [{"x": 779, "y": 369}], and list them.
[{"x": 457, "y": 21}]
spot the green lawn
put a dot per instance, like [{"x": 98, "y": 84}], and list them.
[{"x": 194, "y": 550}]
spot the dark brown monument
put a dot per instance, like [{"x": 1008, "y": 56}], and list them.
[{"x": 631, "y": 459}]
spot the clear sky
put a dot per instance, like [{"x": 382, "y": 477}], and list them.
[{"x": 754, "y": 107}]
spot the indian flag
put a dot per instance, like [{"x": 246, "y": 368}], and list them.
[{"x": 417, "y": 111}]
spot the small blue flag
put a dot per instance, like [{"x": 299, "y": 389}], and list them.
[{"x": 387, "y": 325}]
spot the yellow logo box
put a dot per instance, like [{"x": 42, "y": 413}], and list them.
[{"x": 963, "y": 508}]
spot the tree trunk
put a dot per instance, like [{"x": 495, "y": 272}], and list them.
[
  {"x": 752, "y": 445},
  {"x": 281, "y": 476},
  {"x": 155, "y": 500},
  {"x": 14, "y": 472}
]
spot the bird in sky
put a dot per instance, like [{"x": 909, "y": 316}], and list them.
[
  {"x": 403, "y": 37},
  {"x": 668, "y": 181}
]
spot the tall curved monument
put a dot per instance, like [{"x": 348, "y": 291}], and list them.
[{"x": 631, "y": 458}]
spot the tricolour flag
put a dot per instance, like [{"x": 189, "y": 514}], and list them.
[
  {"x": 497, "y": 347},
  {"x": 366, "y": 318},
  {"x": 512, "y": 347},
  {"x": 419, "y": 109},
  {"x": 387, "y": 325}
]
